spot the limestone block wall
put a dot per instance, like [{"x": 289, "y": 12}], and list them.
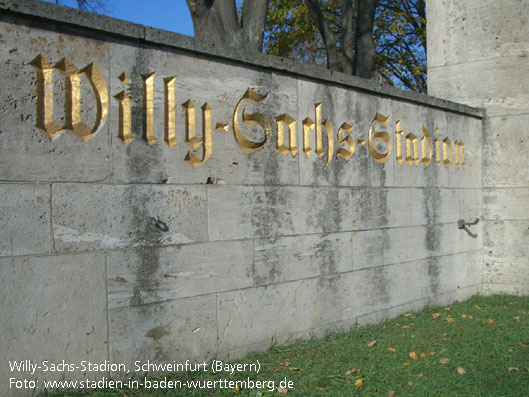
[
  {"x": 155, "y": 206},
  {"x": 478, "y": 55}
]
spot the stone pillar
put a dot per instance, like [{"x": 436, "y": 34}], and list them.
[{"x": 478, "y": 54}]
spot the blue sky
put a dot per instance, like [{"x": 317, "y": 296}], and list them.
[{"x": 172, "y": 15}]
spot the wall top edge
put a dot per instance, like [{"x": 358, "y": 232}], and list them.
[{"x": 47, "y": 12}]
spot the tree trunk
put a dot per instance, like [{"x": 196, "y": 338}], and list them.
[
  {"x": 365, "y": 45},
  {"x": 216, "y": 21},
  {"x": 347, "y": 36}
]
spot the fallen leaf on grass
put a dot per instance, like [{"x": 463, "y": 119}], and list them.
[
  {"x": 420, "y": 376},
  {"x": 461, "y": 371},
  {"x": 285, "y": 364},
  {"x": 407, "y": 315},
  {"x": 413, "y": 356},
  {"x": 391, "y": 393},
  {"x": 464, "y": 316},
  {"x": 281, "y": 390},
  {"x": 437, "y": 315},
  {"x": 424, "y": 355},
  {"x": 505, "y": 306},
  {"x": 477, "y": 307},
  {"x": 277, "y": 370},
  {"x": 293, "y": 369},
  {"x": 371, "y": 344},
  {"x": 407, "y": 364},
  {"x": 447, "y": 308},
  {"x": 512, "y": 369},
  {"x": 513, "y": 303},
  {"x": 501, "y": 332},
  {"x": 491, "y": 321},
  {"x": 444, "y": 361},
  {"x": 321, "y": 389},
  {"x": 359, "y": 382},
  {"x": 470, "y": 317},
  {"x": 410, "y": 383},
  {"x": 355, "y": 370},
  {"x": 392, "y": 350},
  {"x": 405, "y": 327},
  {"x": 510, "y": 350},
  {"x": 523, "y": 345},
  {"x": 449, "y": 320},
  {"x": 517, "y": 319}
]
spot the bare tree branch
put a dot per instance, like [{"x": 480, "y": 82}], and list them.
[{"x": 347, "y": 36}]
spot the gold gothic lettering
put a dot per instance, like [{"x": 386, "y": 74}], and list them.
[
  {"x": 426, "y": 140},
  {"x": 286, "y": 125},
  {"x": 282, "y": 121},
  {"x": 148, "y": 107},
  {"x": 169, "y": 111},
  {"x": 123, "y": 99},
  {"x": 72, "y": 100},
  {"x": 379, "y": 136},
  {"x": 251, "y": 119},
  {"x": 346, "y": 154},
  {"x": 192, "y": 140}
]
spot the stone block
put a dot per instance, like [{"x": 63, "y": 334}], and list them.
[
  {"x": 447, "y": 37},
  {"x": 476, "y": 84},
  {"x": 496, "y": 29},
  {"x": 53, "y": 308},
  {"x": 505, "y": 163},
  {"x": 157, "y": 274},
  {"x": 506, "y": 240},
  {"x": 349, "y": 295},
  {"x": 245, "y": 316},
  {"x": 25, "y": 214},
  {"x": 405, "y": 244},
  {"x": 96, "y": 217},
  {"x": 448, "y": 273},
  {"x": 434, "y": 206},
  {"x": 470, "y": 204},
  {"x": 175, "y": 330},
  {"x": 505, "y": 289},
  {"x": 139, "y": 161},
  {"x": 368, "y": 248},
  {"x": 300, "y": 257},
  {"x": 27, "y": 153},
  {"x": 505, "y": 203},
  {"x": 239, "y": 212}
]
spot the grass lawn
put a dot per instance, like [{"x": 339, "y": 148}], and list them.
[{"x": 474, "y": 348}]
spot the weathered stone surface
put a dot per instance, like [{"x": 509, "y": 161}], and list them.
[
  {"x": 349, "y": 295},
  {"x": 368, "y": 248},
  {"x": 27, "y": 154},
  {"x": 237, "y": 212},
  {"x": 25, "y": 215},
  {"x": 342, "y": 106},
  {"x": 505, "y": 204},
  {"x": 53, "y": 308},
  {"x": 506, "y": 249},
  {"x": 447, "y": 37},
  {"x": 470, "y": 204},
  {"x": 505, "y": 163},
  {"x": 405, "y": 244},
  {"x": 476, "y": 84},
  {"x": 175, "y": 330},
  {"x": 159, "y": 274},
  {"x": 299, "y": 257},
  {"x": 95, "y": 217},
  {"x": 452, "y": 272},
  {"x": 245, "y": 316},
  {"x": 496, "y": 29}
]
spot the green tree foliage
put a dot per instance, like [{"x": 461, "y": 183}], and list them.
[{"x": 399, "y": 33}]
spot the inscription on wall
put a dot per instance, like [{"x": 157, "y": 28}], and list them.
[{"x": 404, "y": 145}]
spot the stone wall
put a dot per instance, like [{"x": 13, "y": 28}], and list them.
[
  {"x": 478, "y": 55},
  {"x": 139, "y": 223}
]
